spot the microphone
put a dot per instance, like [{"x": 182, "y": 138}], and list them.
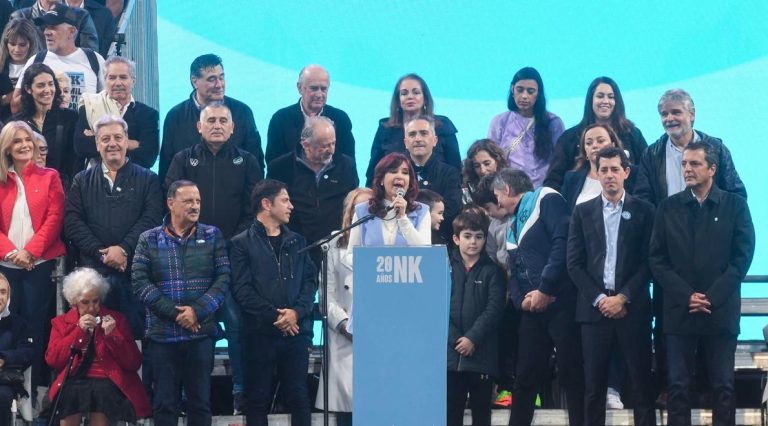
[{"x": 400, "y": 192}]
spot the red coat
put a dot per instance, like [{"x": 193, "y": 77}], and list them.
[
  {"x": 118, "y": 353},
  {"x": 45, "y": 198}
]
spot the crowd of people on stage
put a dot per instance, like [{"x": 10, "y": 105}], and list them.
[{"x": 554, "y": 236}]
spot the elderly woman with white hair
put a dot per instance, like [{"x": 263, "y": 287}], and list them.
[{"x": 103, "y": 380}]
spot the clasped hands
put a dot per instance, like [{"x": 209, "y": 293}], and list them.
[
  {"x": 114, "y": 257},
  {"x": 287, "y": 322},
  {"x": 187, "y": 318},
  {"x": 699, "y": 302},
  {"x": 613, "y": 306},
  {"x": 88, "y": 322},
  {"x": 22, "y": 259},
  {"x": 536, "y": 301}
]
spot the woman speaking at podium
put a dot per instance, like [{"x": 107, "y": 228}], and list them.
[{"x": 399, "y": 219}]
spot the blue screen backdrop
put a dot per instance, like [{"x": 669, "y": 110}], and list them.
[{"x": 468, "y": 51}]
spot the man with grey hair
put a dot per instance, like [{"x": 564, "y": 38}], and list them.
[
  {"x": 286, "y": 124},
  {"x": 88, "y": 35},
  {"x": 117, "y": 98},
  {"x": 660, "y": 173},
  {"x": 225, "y": 176},
  {"x": 107, "y": 208},
  {"x": 541, "y": 289},
  {"x": 432, "y": 172},
  {"x": 318, "y": 179}
]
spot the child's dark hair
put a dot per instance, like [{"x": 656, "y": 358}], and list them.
[
  {"x": 472, "y": 219},
  {"x": 429, "y": 197},
  {"x": 483, "y": 193}
]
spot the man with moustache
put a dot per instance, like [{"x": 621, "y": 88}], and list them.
[
  {"x": 206, "y": 74},
  {"x": 701, "y": 248},
  {"x": 432, "y": 173},
  {"x": 225, "y": 176},
  {"x": 117, "y": 98},
  {"x": 107, "y": 209},
  {"x": 274, "y": 284},
  {"x": 318, "y": 180},
  {"x": 286, "y": 124},
  {"x": 181, "y": 273},
  {"x": 607, "y": 245}
]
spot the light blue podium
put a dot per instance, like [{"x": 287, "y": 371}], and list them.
[{"x": 400, "y": 316}]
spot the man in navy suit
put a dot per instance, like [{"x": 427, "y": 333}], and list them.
[{"x": 607, "y": 260}]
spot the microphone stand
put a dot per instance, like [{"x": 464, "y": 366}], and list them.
[
  {"x": 323, "y": 244},
  {"x": 73, "y": 351}
]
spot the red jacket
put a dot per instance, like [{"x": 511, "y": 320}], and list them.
[
  {"x": 118, "y": 352},
  {"x": 45, "y": 198}
]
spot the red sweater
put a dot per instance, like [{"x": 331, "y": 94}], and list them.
[
  {"x": 45, "y": 198},
  {"x": 117, "y": 353}
]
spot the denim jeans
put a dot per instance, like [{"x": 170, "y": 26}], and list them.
[
  {"x": 33, "y": 297},
  {"x": 121, "y": 298},
  {"x": 261, "y": 354},
  {"x": 229, "y": 314},
  {"x": 188, "y": 364},
  {"x": 719, "y": 350}
]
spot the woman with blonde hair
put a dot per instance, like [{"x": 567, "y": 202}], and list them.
[
  {"x": 31, "y": 216},
  {"x": 339, "y": 309}
]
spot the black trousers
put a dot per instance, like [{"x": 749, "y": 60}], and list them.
[
  {"x": 480, "y": 388},
  {"x": 508, "y": 327},
  {"x": 538, "y": 334},
  {"x": 600, "y": 341}
]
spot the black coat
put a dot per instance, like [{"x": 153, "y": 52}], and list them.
[
  {"x": 225, "y": 181},
  {"x": 284, "y": 133},
  {"x": 705, "y": 249},
  {"x": 478, "y": 298},
  {"x": 15, "y": 348},
  {"x": 143, "y": 126},
  {"x": 317, "y": 205},
  {"x": 180, "y": 131},
  {"x": 587, "y": 251},
  {"x": 262, "y": 282},
  {"x": 651, "y": 184},
  {"x": 392, "y": 139},
  {"x": 96, "y": 217},
  {"x": 104, "y": 23},
  {"x": 539, "y": 262},
  {"x": 442, "y": 178},
  {"x": 568, "y": 148}
]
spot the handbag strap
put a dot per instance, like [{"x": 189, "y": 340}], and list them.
[{"x": 519, "y": 138}]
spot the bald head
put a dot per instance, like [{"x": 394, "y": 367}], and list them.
[{"x": 313, "y": 87}]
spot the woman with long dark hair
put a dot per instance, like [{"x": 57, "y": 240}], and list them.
[
  {"x": 483, "y": 157},
  {"x": 400, "y": 219},
  {"x": 603, "y": 105},
  {"x": 527, "y": 132},
  {"x": 41, "y": 110},
  {"x": 412, "y": 98}
]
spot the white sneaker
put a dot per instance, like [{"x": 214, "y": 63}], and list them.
[{"x": 613, "y": 400}]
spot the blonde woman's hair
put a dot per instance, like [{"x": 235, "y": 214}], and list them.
[{"x": 349, "y": 213}]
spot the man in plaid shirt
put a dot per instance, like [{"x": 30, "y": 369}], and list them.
[{"x": 181, "y": 273}]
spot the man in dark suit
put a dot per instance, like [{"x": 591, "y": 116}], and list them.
[
  {"x": 701, "y": 248},
  {"x": 607, "y": 260},
  {"x": 287, "y": 123}
]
